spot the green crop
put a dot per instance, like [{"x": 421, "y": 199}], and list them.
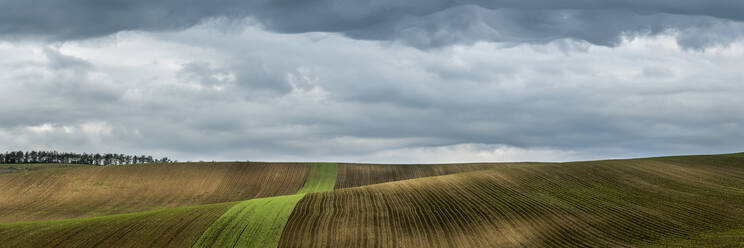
[
  {"x": 251, "y": 223},
  {"x": 322, "y": 177},
  {"x": 260, "y": 222}
]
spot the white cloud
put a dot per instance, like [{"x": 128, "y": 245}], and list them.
[
  {"x": 470, "y": 152},
  {"x": 41, "y": 129}
]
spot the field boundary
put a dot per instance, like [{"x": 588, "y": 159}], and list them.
[{"x": 260, "y": 222}]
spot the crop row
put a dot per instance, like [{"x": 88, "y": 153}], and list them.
[
  {"x": 354, "y": 175},
  {"x": 179, "y": 227},
  {"x": 251, "y": 223},
  {"x": 84, "y": 192},
  {"x": 259, "y": 222},
  {"x": 589, "y": 204}
]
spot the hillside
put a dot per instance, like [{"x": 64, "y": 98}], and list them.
[
  {"x": 585, "y": 204},
  {"x": 176, "y": 227},
  {"x": 14, "y": 168},
  {"x": 94, "y": 191},
  {"x": 682, "y": 201}
]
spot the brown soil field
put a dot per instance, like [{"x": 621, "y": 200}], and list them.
[
  {"x": 613, "y": 203},
  {"x": 14, "y": 168},
  {"x": 94, "y": 191},
  {"x": 354, "y": 175},
  {"x": 178, "y": 227}
]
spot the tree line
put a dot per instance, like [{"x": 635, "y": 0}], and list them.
[{"x": 39, "y": 157}]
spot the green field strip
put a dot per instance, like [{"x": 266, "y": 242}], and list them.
[
  {"x": 322, "y": 177},
  {"x": 260, "y": 222},
  {"x": 252, "y": 223}
]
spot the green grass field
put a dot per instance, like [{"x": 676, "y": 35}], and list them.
[
  {"x": 322, "y": 177},
  {"x": 252, "y": 223},
  {"x": 260, "y": 222},
  {"x": 680, "y": 201}
]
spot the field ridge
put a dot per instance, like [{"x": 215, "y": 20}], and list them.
[{"x": 260, "y": 222}]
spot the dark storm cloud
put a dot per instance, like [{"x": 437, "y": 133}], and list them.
[{"x": 421, "y": 23}]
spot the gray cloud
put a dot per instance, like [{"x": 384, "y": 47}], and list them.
[
  {"x": 252, "y": 94},
  {"x": 421, "y": 24},
  {"x": 59, "y": 61}
]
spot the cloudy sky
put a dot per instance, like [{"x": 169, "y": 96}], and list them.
[{"x": 373, "y": 81}]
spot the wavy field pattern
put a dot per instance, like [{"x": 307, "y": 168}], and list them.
[
  {"x": 95, "y": 191},
  {"x": 619, "y": 203},
  {"x": 260, "y": 222},
  {"x": 177, "y": 227},
  {"x": 252, "y": 223},
  {"x": 684, "y": 201},
  {"x": 354, "y": 175}
]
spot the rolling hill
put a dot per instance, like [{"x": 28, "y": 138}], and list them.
[
  {"x": 60, "y": 193},
  {"x": 681, "y": 201}
]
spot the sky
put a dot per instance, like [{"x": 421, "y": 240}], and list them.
[{"x": 373, "y": 81}]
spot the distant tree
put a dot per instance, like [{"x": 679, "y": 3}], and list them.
[{"x": 20, "y": 157}]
